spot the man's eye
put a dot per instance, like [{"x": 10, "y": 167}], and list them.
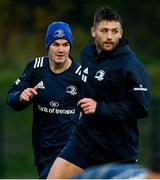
[
  {"x": 104, "y": 30},
  {"x": 55, "y": 44},
  {"x": 115, "y": 31},
  {"x": 66, "y": 44}
]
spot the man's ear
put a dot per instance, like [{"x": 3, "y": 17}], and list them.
[
  {"x": 93, "y": 31},
  {"x": 121, "y": 33}
]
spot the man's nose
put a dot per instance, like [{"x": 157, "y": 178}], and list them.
[
  {"x": 60, "y": 48},
  {"x": 109, "y": 35}
]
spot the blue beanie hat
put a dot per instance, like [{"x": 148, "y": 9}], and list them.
[{"x": 58, "y": 30}]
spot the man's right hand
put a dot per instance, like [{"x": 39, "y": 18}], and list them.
[{"x": 28, "y": 94}]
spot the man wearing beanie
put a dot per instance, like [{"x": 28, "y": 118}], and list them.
[{"x": 52, "y": 84}]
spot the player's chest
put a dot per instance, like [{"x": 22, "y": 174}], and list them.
[{"x": 56, "y": 88}]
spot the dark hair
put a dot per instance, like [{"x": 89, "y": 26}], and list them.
[{"x": 106, "y": 13}]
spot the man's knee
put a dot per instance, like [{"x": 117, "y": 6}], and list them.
[{"x": 62, "y": 168}]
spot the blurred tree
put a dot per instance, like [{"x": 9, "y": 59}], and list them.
[{"x": 32, "y": 17}]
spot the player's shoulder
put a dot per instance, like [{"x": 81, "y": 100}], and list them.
[
  {"x": 76, "y": 68},
  {"x": 38, "y": 62},
  {"x": 87, "y": 48}
]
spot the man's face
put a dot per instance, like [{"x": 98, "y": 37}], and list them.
[
  {"x": 58, "y": 51},
  {"x": 107, "y": 35}
]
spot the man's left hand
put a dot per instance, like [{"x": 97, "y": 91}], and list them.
[{"x": 88, "y": 105}]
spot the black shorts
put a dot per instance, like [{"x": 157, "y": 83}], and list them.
[
  {"x": 81, "y": 157},
  {"x": 73, "y": 153}
]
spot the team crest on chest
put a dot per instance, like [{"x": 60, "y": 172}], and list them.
[
  {"x": 71, "y": 90},
  {"x": 99, "y": 75}
]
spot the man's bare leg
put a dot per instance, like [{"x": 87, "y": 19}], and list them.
[{"x": 62, "y": 169}]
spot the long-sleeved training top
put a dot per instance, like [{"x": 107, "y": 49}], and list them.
[
  {"x": 55, "y": 111},
  {"x": 120, "y": 85}
]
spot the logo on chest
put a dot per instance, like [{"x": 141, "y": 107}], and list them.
[
  {"x": 99, "y": 75},
  {"x": 40, "y": 85},
  {"x": 71, "y": 90},
  {"x": 54, "y": 104}
]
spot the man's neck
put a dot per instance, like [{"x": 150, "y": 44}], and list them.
[{"x": 59, "y": 68}]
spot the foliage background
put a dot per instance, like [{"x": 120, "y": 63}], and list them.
[{"x": 23, "y": 25}]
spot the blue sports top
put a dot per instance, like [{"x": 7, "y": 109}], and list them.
[{"x": 54, "y": 108}]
